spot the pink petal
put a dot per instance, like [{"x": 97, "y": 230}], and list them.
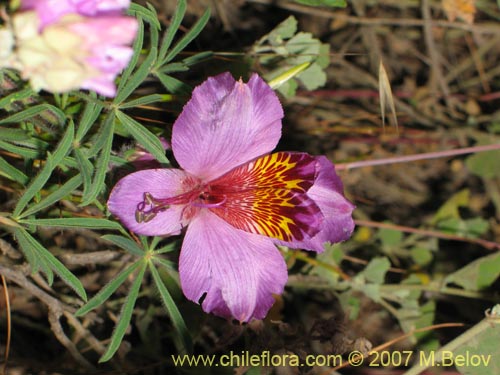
[
  {"x": 106, "y": 31},
  {"x": 160, "y": 183},
  {"x": 234, "y": 272},
  {"x": 225, "y": 124},
  {"x": 327, "y": 192}
]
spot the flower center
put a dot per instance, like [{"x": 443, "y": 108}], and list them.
[{"x": 202, "y": 197}]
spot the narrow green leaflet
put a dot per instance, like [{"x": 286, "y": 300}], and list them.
[
  {"x": 27, "y": 241},
  {"x": 106, "y": 292},
  {"x": 8, "y": 134},
  {"x": 125, "y": 316},
  {"x": 125, "y": 243},
  {"x": 173, "y": 85},
  {"x": 26, "y": 153},
  {"x": 326, "y": 3},
  {"x": 164, "y": 263},
  {"x": 51, "y": 163},
  {"x": 90, "y": 114},
  {"x": 33, "y": 111},
  {"x": 74, "y": 222},
  {"x": 148, "y": 99},
  {"x": 180, "y": 11},
  {"x": 56, "y": 196},
  {"x": 102, "y": 162},
  {"x": 188, "y": 38},
  {"x": 142, "y": 135},
  {"x": 137, "y": 47},
  {"x": 86, "y": 169},
  {"x": 173, "y": 311},
  {"x": 12, "y": 173},
  {"x": 35, "y": 262},
  {"x": 148, "y": 14},
  {"x": 15, "y": 96},
  {"x": 138, "y": 77}
]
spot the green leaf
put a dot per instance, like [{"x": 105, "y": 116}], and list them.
[
  {"x": 8, "y": 134},
  {"x": 148, "y": 99},
  {"x": 125, "y": 243},
  {"x": 471, "y": 228},
  {"x": 137, "y": 48},
  {"x": 450, "y": 208},
  {"x": 137, "y": 78},
  {"x": 375, "y": 270},
  {"x": 326, "y": 3},
  {"x": 26, "y": 240},
  {"x": 90, "y": 114},
  {"x": 51, "y": 163},
  {"x": 421, "y": 256},
  {"x": 86, "y": 169},
  {"x": 285, "y": 30},
  {"x": 125, "y": 316},
  {"x": 102, "y": 162},
  {"x": 173, "y": 85},
  {"x": 164, "y": 263},
  {"x": 16, "y": 96},
  {"x": 142, "y": 135},
  {"x": 74, "y": 222},
  {"x": 188, "y": 38},
  {"x": 9, "y": 171},
  {"x": 478, "y": 274},
  {"x": 106, "y": 292},
  {"x": 390, "y": 237},
  {"x": 173, "y": 311},
  {"x": 168, "y": 37},
  {"x": 148, "y": 14},
  {"x": 484, "y": 164},
  {"x": 57, "y": 195},
  {"x": 313, "y": 77},
  {"x": 26, "y": 153},
  {"x": 33, "y": 111}
]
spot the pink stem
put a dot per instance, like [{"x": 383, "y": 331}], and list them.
[{"x": 415, "y": 157}]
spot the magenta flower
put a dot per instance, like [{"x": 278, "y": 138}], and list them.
[
  {"x": 236, "y": 200},
  {"x": 62, "y": 45},
  {"x": 50, "y": 11}
]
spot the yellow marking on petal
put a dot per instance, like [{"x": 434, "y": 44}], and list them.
[{"x": 268, "y": 196}]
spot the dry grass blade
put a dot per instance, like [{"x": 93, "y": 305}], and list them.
[
  {"x": 385, "y": 93},
  {"x": 7, "y": 310}
]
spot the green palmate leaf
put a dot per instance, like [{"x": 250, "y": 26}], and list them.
[
  {"x": 33, "y": 111},
  {"x": 51, "y": 163},
  {"x": 142, "y": 135},
  {"x": 125, "y": 243},
  {"x": 106, "y": 292},
  {"x": 188, "y": 38},
  {"x": 173, "y": 85},
  {"x": 326, "y": 3},
  {"x": 8, "y": 134},
  {"x": 148, "y": 99},
  {"x": 172, "y": 29},
  {"x": 173, "y": 311},
  {"x": 101, "y": 139},
  {"x": 86, "y": 169},
  {"x": 173, "y": 68},
  {"x": 56, "y": 196},
  {"x": 313, "y": 77},
  {"x": 102, "y": 163},
  {"x": 90, "y": 114},
  {"x": 125, "y": 316},
  {"x": 76, "y": 222},
  {"x": 27, "y": 241},
  {"x": 477, "y": 275},
  {"x": 12, "y": 173}
]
